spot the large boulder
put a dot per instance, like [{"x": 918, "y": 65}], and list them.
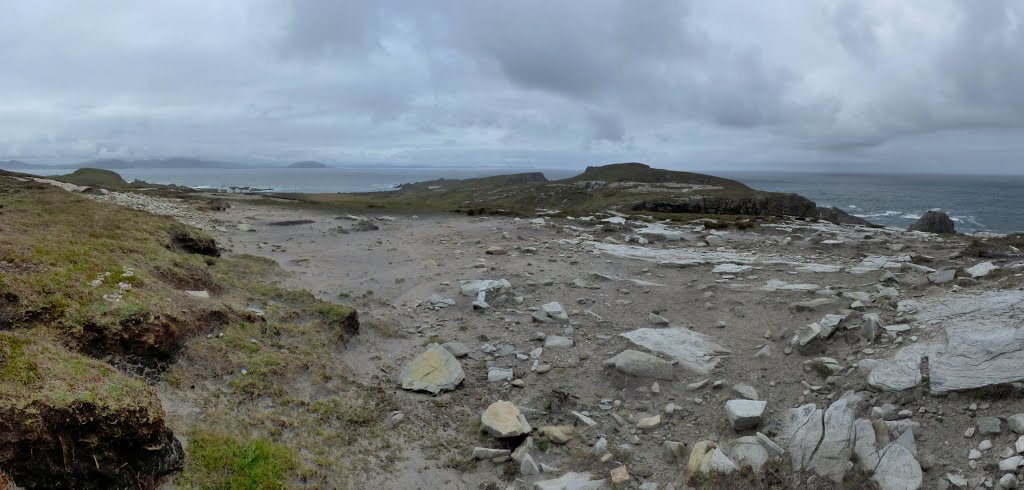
[
  {"x": 67, "y": 421},
  {"x": 933, "y": 222}
]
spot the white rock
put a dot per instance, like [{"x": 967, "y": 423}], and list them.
[
  {"x": 694, "y": 351},
  {"x": 981, "y": 270},
  {"x": 555, "y": 310},
  {"x": 496, "y": 374},
  {"x": 557, "y": 342},
  {"x": 571, "y": 481}
]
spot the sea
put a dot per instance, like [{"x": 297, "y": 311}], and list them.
[{"x": 975, "y": 202}]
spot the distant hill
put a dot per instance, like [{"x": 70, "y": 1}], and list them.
[
  {"x": 176, "y": 162},
  {"x": 625, "y": 187},
  {"x": 21, "y": 165},
  {"x": 307, "y": 164},
  {"x": 639, "y": 172},
  {"x": 94, "y": 177}
]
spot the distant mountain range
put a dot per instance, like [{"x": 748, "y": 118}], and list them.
[
  {"x": 175, "y": 162},
  {"x": 307, "y": 164},
  {"x": 114, "y": 164}
]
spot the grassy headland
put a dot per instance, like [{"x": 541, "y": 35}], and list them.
[{"x": 95, "y": 313}]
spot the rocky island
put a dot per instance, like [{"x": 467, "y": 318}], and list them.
[{"x": 629, "y": 327}]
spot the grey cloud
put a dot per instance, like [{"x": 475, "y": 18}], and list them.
[{"x": 568, "y": 82}]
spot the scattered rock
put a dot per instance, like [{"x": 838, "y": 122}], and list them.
[
  {"x": 744, "y": 414},
  {"x": 502, "y": 419},
  {"x": 694, "y": 351},
  {"x": 942, "y": 276},
  {"x": 981, "y": 270},
  {"x": 641, "y": 364},
  {"x": 433, "y": 371},
  {"x": 990, "y": 426}
]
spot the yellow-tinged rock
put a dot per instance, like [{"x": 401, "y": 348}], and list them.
[
  {"x": 558, "y": 434},
  {"x": 697, "y": 454},
  {"x": 502, "y": 419},
  {"x": 620, "y": 475},
  {"x": 434, "y": 370}
]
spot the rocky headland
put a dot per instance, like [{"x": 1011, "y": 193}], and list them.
[{"x": 626, "y": 328}]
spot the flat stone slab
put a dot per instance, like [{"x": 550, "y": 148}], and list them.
[
  {"x": 984, "y": 338},
  {"x": 474, "y": 286},
  {"x": 896, "y": 375},
  {"x": 572, "y": 481},
  {"x": 693, "y": 350},
  {"x": 977, "y": 357}
]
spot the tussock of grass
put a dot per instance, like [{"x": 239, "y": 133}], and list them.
[{"x": 218, "y": 461}]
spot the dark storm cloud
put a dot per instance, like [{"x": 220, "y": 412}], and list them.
[{"x": 568, "y": 82}]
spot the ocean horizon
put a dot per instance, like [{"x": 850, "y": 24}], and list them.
[{"x": 975, "y": 202}]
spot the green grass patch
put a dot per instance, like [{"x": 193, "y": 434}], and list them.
[{"x": 222, "y": 462}]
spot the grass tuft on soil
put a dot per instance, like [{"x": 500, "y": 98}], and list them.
[
  {"x": 219, "y": 461},
  {"x": 34, "y": 371},
  {"x": 103, "y": 278}
]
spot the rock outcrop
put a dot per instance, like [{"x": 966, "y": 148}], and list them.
[
  {"x": 840, "y": 217},
  {"x": 934, "y": 222},
  {"x": 752, "y": 204}
]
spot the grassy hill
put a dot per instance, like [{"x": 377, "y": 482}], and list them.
[
  {"x": 625, "y": 187},
  {"x": 94, "y": 177}
]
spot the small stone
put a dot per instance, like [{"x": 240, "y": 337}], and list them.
[
  {"x": 1011, "y": 463},
  {"x": 502, "y": 419},
  {"x": 649, "y": 422},
  {"x": 528, "y": 467},
  {"x": 974, "y": 454},
  {"x": 589, "y": 422},
  {"x": 969, "y": 432},
  {"x": 558, "y": 434},
  {"x": 697, "y": 385},
  {"x": 557, "y": 342},
  {"x": 619, "y": 475},
  {"x": 657, "y": 319},
  {"x": 673, "y": 450},
  {"x": 744, "y": 414},
  {"x": 774, "y": 450},
  {"x": 1008, "y": 481},
  {"x": 1016, "y": 423},
  {"x": 433, "y": 371},
  {"x": 985, "y": 445},
  {"x": 990, "y": 426},
  {"x": 496, "y": 374},
  {"x": 745, "y": 391},
  {"x": 956, "y": 479},
  {"x": 488, "y": 453}
]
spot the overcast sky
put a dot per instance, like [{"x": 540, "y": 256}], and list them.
[{"x": 725, "y": 84}]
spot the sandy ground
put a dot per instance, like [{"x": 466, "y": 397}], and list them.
[{"x": 390, "y": 273}]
